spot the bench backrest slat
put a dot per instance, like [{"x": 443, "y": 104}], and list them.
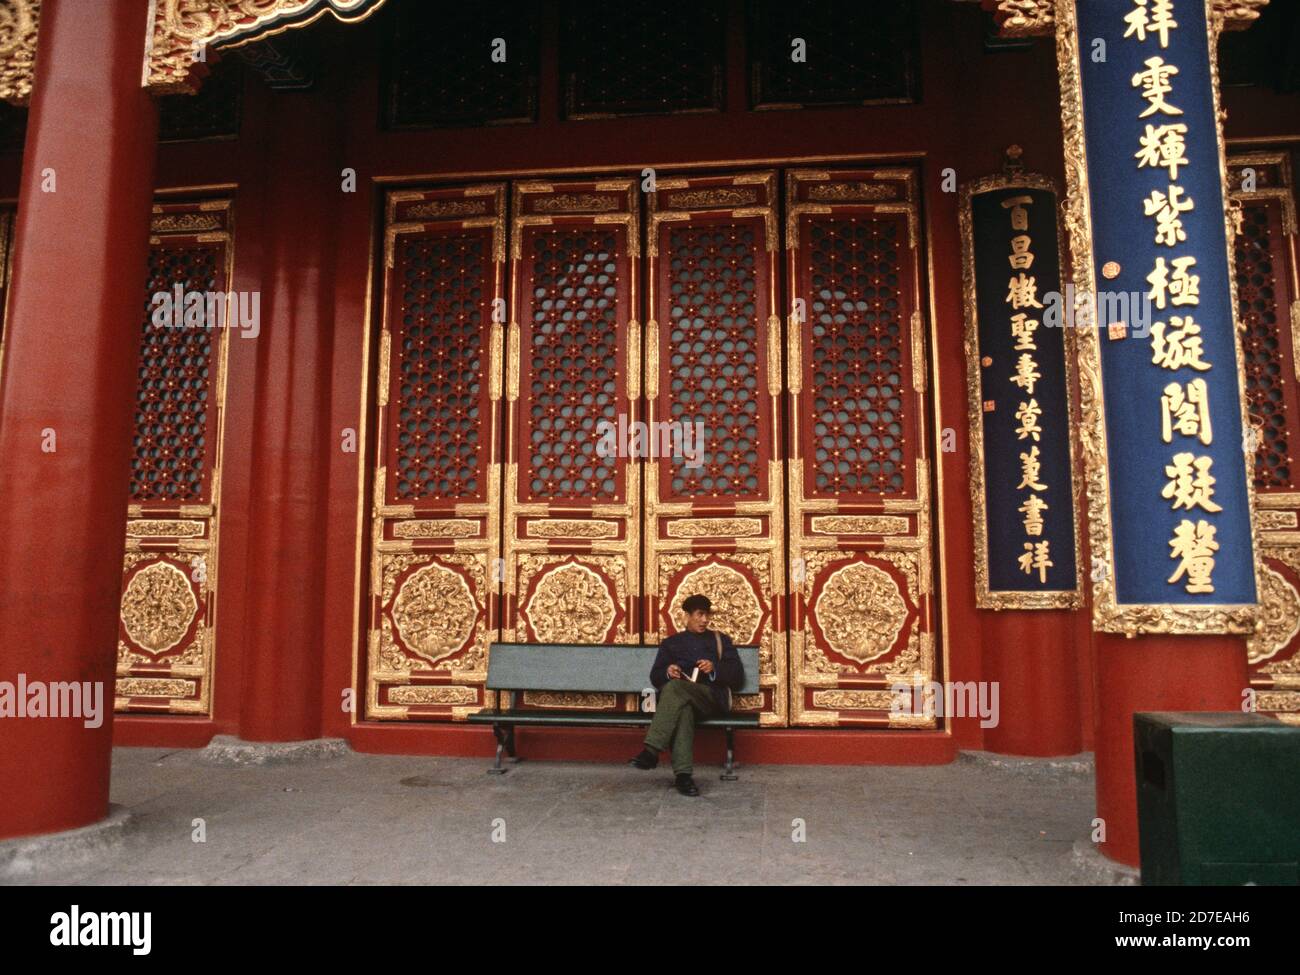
[{"x": 585, "y": 667}]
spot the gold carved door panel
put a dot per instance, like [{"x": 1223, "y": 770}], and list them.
[
  {"x": 166, "y": 627},
  {"x": 862, "y": 597},
  {"x": 1268, "y": 308},
  {"x": 714, "y": 487},
  {"x": 432, "y": 606},
  {"x": 572, "y": 492}
]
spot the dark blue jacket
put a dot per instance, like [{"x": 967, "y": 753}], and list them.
[{"x": 684, "y": 648}]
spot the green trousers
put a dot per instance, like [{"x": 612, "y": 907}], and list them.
[{"x": 674, "y": 721}]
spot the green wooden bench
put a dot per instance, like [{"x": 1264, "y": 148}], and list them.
[{"x": 517, "y": 667}]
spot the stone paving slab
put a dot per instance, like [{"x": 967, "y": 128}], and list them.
[{"x": 384, "y": 819}]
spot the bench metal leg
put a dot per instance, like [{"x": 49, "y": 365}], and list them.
[
  {"x": 729, "y": 770},
  {"x": 505, "y": 741}
]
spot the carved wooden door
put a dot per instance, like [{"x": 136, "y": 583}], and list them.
[
  {"x": 432, "y": 607},
  {"x": 166, "y": 629},
  {"x": 1268, "y": 310},
  {"x": 715, "y": 485},
  {"x": 862, "y": 604},
  {"x": 572, "y": 494}
]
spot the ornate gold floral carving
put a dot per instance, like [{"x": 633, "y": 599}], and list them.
[
  {"x": 408, "y": 694},
  {"x": 154, "y": 687},
  {"x": 736, "y": 607},
  {"x": 859, "y": 525},
  {"x": 1284, "y": 672},
  {"x": 850, "y": 700},
  {"x": 182, "y": 27},
  {"x": 722, "y": 196},
  {"x": 571, "y": 699},
  {"x": 182, "y": 223},
  {"x": 1276, "y": 520},
  {"x": 434, "y": 611},
  {"x": 853, "y": 192},
  {"x": 158, "y": 607},
  {"x": 19, "y": 21},
  {"x": 571, "y": 528},
  {"x": 447, "y": 208},
  {"x": 860, "y": 611},
  {"x": 1025, "y": 18},
  {"x": 571, "y": 603},
  {"x": 1279, "y": 701},
  {"x": 1279, "y": 606},
  {"x": 438, "y": 528},
  {"x": 714, "y": 528},
  {"x": 1237, "y": 14},
  {"x": 576, "y": 203},
  {"x": 165, "y": 529}
]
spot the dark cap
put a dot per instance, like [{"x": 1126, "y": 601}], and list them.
[{"x": 692, "y": 603}]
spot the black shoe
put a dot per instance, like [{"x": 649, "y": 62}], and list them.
[
  {"x": 686, "y": 785},
  {"x": 646, "y": 759}
]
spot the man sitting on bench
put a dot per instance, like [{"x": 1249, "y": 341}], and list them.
[{"x": 700, "y": 668}]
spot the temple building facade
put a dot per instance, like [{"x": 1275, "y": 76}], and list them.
[{"x": 947, "y": 346}]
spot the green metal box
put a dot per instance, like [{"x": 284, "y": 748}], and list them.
[{"x": 1218, "y": 798}]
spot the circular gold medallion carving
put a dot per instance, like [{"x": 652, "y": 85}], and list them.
[
  {"x": 860, "y": 611},
  {"x": 1279, "y": 611},
  {"x": 570, "y": 604},
  {"x": 158, "y": 607},
  {"x": 736, "y": 609},
  {"x": 434, "y": 611}
]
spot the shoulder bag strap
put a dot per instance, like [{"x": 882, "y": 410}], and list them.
[{"x": 718, "y": 638}]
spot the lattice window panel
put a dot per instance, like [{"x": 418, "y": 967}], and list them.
[
  {"x": 435, "y": 407},
  {"x": 713, "y": 343},
  {"x": 1267, "y": 372},
  {"x": 858, "y": 356},
  {"x": 213, "y": 112},
  {"x": 625, "y": 59},
  {"x": 174, "y": 398},
  {"x": 855, "y": 53},
  {"x": 440, "y": 69},
  {"x": 573, "y": 362}
]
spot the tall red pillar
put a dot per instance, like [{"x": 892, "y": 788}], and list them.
[
  {"x": 282, "y": 655},
  {"x": 1031, "y": 655},
  {"x": 66, "y": 398},
  {"x": 1152, "y": 673}
]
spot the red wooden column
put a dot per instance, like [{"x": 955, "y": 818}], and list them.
[
  {"x": 1152, "y": 673},
  {"x": 69, "y": 374},
  {"x": 299, "y": 195},
  {"x": 1031, "y": 655}
]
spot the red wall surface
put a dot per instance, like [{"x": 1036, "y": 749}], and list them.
[{"x": 973, "y": 105}]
